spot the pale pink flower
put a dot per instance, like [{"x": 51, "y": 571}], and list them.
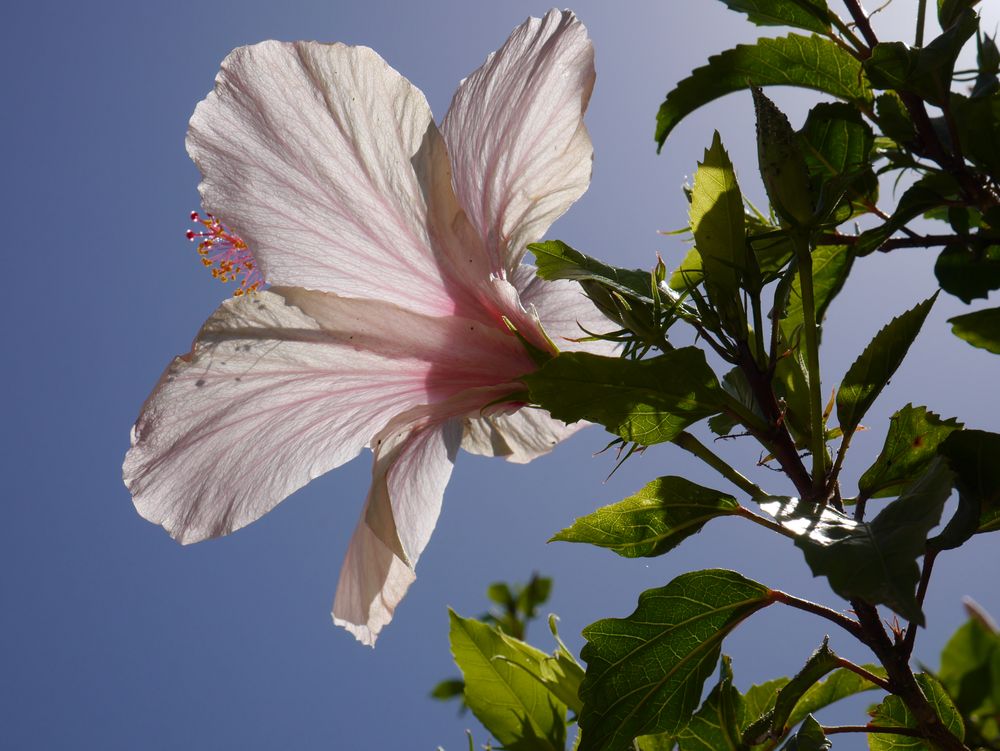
[{"x": 393, "y": 250}]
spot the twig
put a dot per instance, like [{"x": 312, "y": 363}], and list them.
[
  {"x": 691, "y": 444},
  {"x": 834, "y": 729},
  {"x": 851, "y": 626},
  {"x": 925, "y": 578},
  {"x": 867, "y": 675}
]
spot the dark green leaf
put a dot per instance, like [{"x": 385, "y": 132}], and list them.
[
  {"x": 736, "y": 385},
  {"x": 893, "y": 118},
  {"x": 974, "y": 457},
  {"x": 654, "y": 520},
  {"x": 794, "y": 60},
  {"x": 950, "y": 10},
  {"x": 840, "y": 684},
  {"x": 809, "y": 738},
  {"x": 910, "y": 445},
  {"x": 716, "y": 217},
  {"x": 978, "y": 124},
  {"x": 642, "y": 401},
  {"x": 822, "y": 661},
  {"x": 645, "y": 673},
  {"x": 499, "y": 593},
  {"x": 811, "y": 15},
  {"x": 501, "y": 690},
  {"x": 988, "y": 59},
  {"x": 875, "y": 561},
  {"x": 893, "y": 713},
  {"x": 968, "y": 273},
  {"x": 966, "y": 665},
  {"x": 759, "y": 699},
  {"x": 716, "y": 725},
  {"x": 448, "y": 689},
  {"x": 869, "y": 374},
  {"x": 926, "y": 72},
  {"x": 980, "y": 329},
  {"x": 837, "y": 145},
  {"x": 557, "y": 260}
]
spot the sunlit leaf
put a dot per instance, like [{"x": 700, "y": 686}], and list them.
[
  {"x": 811, "y": 15},
  {"x": 500, "y": 688},
  {"x": 875, "y": 561},
  {"x": 645, "y": 673}
]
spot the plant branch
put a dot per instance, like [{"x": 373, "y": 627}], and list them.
[
  {"x": 691, "y": 444},
  {"x": 851, "y": 626},
  {"x": 834, "y": 729},
  {"x": 901, "y": 680},
  {"x": 925, "y": 579},
  {"x": 862, "y": 22},
  {"x": 818, "y": 443},
  {"x": 866, "y": 674},
  {"x": 916, "y": 241}
]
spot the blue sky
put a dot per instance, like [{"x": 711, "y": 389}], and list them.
[{"x": 116, "y": 637}]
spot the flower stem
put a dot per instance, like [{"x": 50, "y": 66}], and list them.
[
  {"x": 691, "y": 444},
  {"x": 800, "y": 239}
]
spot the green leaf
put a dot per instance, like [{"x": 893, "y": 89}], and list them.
[
  {"x": 968, "y": 273},
  {"x": 689, "y": 273},
  {"x": 893, "y": 713},
  {"x": 654, "y": 520},
  {"x": 925, "y": 71},
  {"x": 875, "y": 561},
  {"x": 822, "y": 661},
  {"x": 448, "y": 689},
  {"x": 950, "y": 10},
  {"x": 557, "y": 260},
  {"x": 837, "y": 145},
  {"x": 716, "y": 217},
  {"x": 870, "y": 373},
  {"x": 759, "y": 699},
  {"x": 562, "y": 674},
  {"x": 978, "y": 124},
  {"x": 500, "y": 688},
  {"x": 660, "y": 742},
  {"x": 782, "y": 165},
  {"x": 716, "y": 725},
  {"x": 811, "y": 62},
  {"x": 910, "y": 445},
  {"x": 736, "y": 385},
  {"x": 980, "y": 329},
  {"x": 966, "y": 665},
  {"x": 972, "y": 456},
  {"x": 893, "y": 118},
  {"x": 809, "y": 738},
  {"x": 840, "y": 684},
  {"x": 642, "y": 401},
  {"x": 811, "y": 15},
  {"x": 645, "y": 673}
]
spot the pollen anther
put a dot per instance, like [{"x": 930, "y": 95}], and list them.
[{"x": 225, "y": 254}]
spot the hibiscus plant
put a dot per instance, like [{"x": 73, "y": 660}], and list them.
[{"x": 325, "y": 176}]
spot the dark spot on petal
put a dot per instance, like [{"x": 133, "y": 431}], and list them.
[{"x": 200, "y": 382}]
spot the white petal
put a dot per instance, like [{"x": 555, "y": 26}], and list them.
[
  {"x": 372, "y": 582},
  {"x": 328, "y": 164},
  {"x": 519, "y": 150},
  {"x": 269, "y": 399},
  {"x": 518, "y": 437},
  {"x": 564, "y": 311},
  {"x": 412, "y": 468}
]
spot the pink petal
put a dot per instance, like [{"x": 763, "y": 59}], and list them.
[
  {"x": 328, "y": 164},
  {"x": 271, "y": 397},
  {"x": 519, "y": 150},
  {"x": 413, "y": 463}
]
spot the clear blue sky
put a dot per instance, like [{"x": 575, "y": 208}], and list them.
[{"x": 115, "y": 637}]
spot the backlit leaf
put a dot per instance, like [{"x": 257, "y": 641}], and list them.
[
  {"x": 645, "y": 673},
  {"x": 654, "y": 520},
  {"x": 869, "y": 374},
  {"x": 811, "y": 15},
  {"x": 893, "y": 713},
  {"x": 980, "y": 329},
  {"x": 717, "y": 723},
  {"x": 794, "y": 60},
  {"x": 643, "y": 401}
]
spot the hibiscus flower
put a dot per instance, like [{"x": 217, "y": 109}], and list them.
[{"x": 393, "y": 253}]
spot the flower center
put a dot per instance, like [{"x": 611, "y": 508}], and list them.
[{"x": 225, "y": 253}]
